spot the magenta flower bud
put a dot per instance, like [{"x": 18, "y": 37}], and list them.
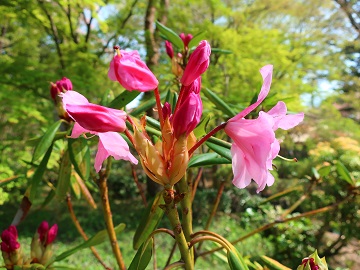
[
  {"x": 188, "y": 115},
  {"x": 91, "y": 116},
  {"x": 64, "y": 84},
  {"x": 131, "y": 72},
  {"x": 186, "y": 38},
  {"x": 43, "y": 230},
  {"x": 52, "y": 233},
  {"x": 9, "y": 240},
  {"x": 166, "y": 110},
  {"x": 198, "y": 63},
  {"x": 47, "y": 235},
  {"x": 169, "y": 49}
]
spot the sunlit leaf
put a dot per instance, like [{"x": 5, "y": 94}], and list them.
[
  {"x": 46, "y": 141},
  {"x": 218, "y": 102},
  {"x": 170, "y": 35},
  {"x": 274, "y": 264},
  {"x": 235, "y": 260},
  {"x": 344, "y": 173},
  {"x": 222, "y": 151},
  {"x": 123, "y": 99},
  {"x": 207, "y": 159},
  {"x": 200, "y": 130},
  {"x": 196, "y": 39}
]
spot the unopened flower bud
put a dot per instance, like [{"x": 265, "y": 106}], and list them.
[
  {"x": 198, "y": 63},
  {"x": 186, "y": 38},
  {"x": 10, "y": 247},
  {"x": 166, "y": 110},
  {"x": 60, "y": 86},
  {"x": 169, "y": 49},
  {"x": 41, "y": 244},
  {"x": 313, "y": 262}
]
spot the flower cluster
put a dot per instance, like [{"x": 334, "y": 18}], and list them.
[{"x": 254, "y": 147}]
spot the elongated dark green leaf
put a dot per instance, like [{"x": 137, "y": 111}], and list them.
[
  {"x": 79, "y": 153},
  {"x": 146, "y": 106},
  {"x": 46, "y": 141},
  {"x": 220, "y": 51},
  {"x": 221, "y": 150},
  {"x": 97, "y": 239},
  {"x": 39, "y": 174},
  {"x": 142, "y": 256},
  {"x": 236, "y": 262},
  {"x": 200, "y": 130},
  {"x": 207, "y": 159},
  {"x": 35, "y": 141},
  {"x": 344, "y": 173},
  {"x": 123, "y": 99},
  {"x": 218, "y": 102},
  {"x": 64, "y": 176},
  {"x": 274, "y": 264},
  {"x": 219, "y": 142},
  {"x": 196, "y": 39},
  {"x": 170, "y": 35},
  {"x": 149, "y": 221}
]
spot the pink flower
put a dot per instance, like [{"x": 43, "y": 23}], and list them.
[
  {"x": 131, "y": 72},
  {"x": 198, "y": 63},
  {"x": 46, "y": 235},
  {"x": 100, "y": 121},
  {"x": 186, "y": 38},
  {"x": 255, "y": 145},
  {"x": 60, "y": 86},
  {"x": 9, "y": 240},
  {"x": 169, "y": 49},
  {"x": 91, "y": 116},
  {"x": 188, "y": 116}
]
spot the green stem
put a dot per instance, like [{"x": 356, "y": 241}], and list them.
[{"x": 173, "y": 216}]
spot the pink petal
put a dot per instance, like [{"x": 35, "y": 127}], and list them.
[
  {"x": 112, "y": 144},
  {"x": 283, "y": 121},
  {"x": 266, "y": 73},
  {"x": 73, "y": 98},
  {"x": 78, "y": 130},
  {"x": 52, "y": 234}
]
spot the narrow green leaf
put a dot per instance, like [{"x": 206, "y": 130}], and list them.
[
  {"x": 281, "y": 194},
  {"x": 170, "y": 35},
  {"x": 79, "y": 154},
  {"x": 46, "y": 141},
  {"x": 236, "y": 262},
  {"x": 64, "y": 176},
  {"x": 48, "y": 198},
  {"x": 39, "y": 174},
  {"x": 222, "y": 151},
  {"x": 142, "y": 256},
  {"x": 34, "y": 141},
  {"x": 146, "y": 106},
  {"x": 75, "y": 187},
  {"x": 324, "y": 171},
  {"x": 97, "y": 239},
  {"x": 123, "y": 99},
  {"x": 149, "y": 221},
  {"x": 218, "y": 102},
  {"x": 344, "y": 173},
  {"x": 207, "y": 159},
  {"x": 274, "y": 264},
  {"x": 200, "y": 130},
  {"x": 220, "y": 51},
  {"x": 196, "y": 39},
  {"x": 219, "y": 142}
]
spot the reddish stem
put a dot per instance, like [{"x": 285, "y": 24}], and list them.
[
  {"x": 206, "y": 137},
  {"x": 179, "y": 99}
]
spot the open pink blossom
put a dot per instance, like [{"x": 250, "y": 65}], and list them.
[
  {"x": 91, "y": 116},
  {"x": 131, "y": 72},
  {"x": 198, "y": 63},
  {"x": 101, "y": 121},
  {"x": 255, "y": 145}
]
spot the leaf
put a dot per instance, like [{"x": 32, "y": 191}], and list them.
[
  {"x": 75, "y": 187},
  {"x": 219, "y": 142},
  {"x": 200, "y": 130},
  {"x": 142, "y": 256},
  {"x": 222, "y": 151},
  {"x": 123, "y": 99},
  {"x": 35, "y": 181},
  {"x": 207, "y": 159},
  {"x": 218, "y": 102},
  {"x": 344, "y": 173},
  {"x": 34, "y": 141},
  {"x": 64, "y": 176},
  {"x": 324, "y": 171},
  {"x": 274, "y": 264},
  {"x": 85, "y": 191},
  {"x": 79, "y": 153},
  {"x": 170, "y": 35},
  {"x": 97, "y": 239},
  {"x": 220, "y": 51},
  {"x": 315, "y": 172},
  {"x": 282, "y": 194},
  {"x": 46, "y": 141},
  {"x": 196, "y": 39},
  {"x": 149, "y": 221},
  {"x": 235, "y": 260}
]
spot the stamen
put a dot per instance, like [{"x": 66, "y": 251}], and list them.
[
  {"x": 117, "y": 50},
  {"x": 288, "y": 159}
]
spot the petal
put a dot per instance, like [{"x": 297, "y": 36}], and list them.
[
  {"x": 283, "y": 121},
  {"x": 112, "y": 144},
  {"x": 73, "y": 98},
  {"x": 291, "y": 120},
  {"x": 266, "y": 73},
  {"x": 78, "y": 130}
]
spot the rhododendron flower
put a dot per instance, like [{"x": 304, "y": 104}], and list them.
[
  {"x": 47, "y": 235},
  {"x": 186, "y": 38},
  {"x": 100, "y": 121},
  {"x": 169, "y": 49},
  {"x": 91, "y": 116},
  {"x": 9, "y": 239},
  {"x": 131, "y": 72},
  {"x": 255, "y": 145},
  {"x": 198, "y": 63}
]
